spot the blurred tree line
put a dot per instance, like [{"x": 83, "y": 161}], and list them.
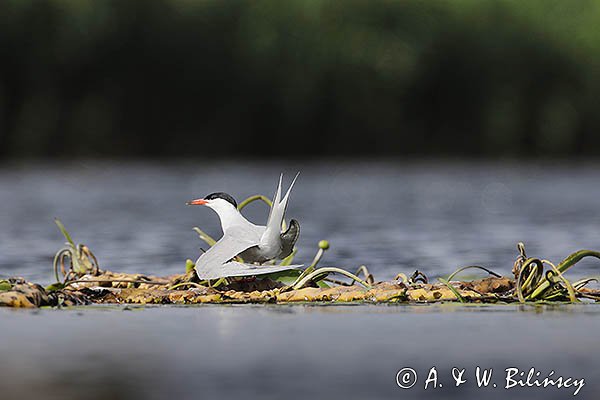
[{"x": 268, "y": 78}]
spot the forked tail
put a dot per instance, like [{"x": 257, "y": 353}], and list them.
[{"x": 273, "y": 231}]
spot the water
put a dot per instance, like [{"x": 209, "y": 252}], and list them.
[
  {"x": 391, "y": 217},
  {"x": 274, "y": 352}
]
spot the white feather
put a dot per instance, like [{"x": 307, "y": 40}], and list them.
[
  {"x": 240, "y": 235},
  {"x": 234, "y": 268},
  {"x": 271, "y": 234}
]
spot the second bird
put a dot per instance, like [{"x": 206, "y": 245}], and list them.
[{"x": 255, "y": 244}]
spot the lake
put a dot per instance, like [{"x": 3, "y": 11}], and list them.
[
  {"x": 392, "y": 217},
  {"x": 274, "y": 352}
]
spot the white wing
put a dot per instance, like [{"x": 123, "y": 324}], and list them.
[
  {"x": 216, "y": 262},
  {"x": 237, "y": 239},
  {"x": 234, "y": 268},
  {"x": 277, "y": 213}
]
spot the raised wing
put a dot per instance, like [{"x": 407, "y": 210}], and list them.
[
  {"x": 234, "y": 268},
  {"x": 277, "y": 213},
  {"x": 210, "y": 264}
]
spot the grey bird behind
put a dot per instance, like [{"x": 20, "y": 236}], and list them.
[{"x": 253, "y": 243}]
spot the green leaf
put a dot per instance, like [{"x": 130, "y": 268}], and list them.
[
  {"x": 453, "y": 290},
  {"x": 5, "y": 286},
  {"x": 64, "y": 232},
  {"x": 205, "y": 236},
  {"x": 562, "y": 267},
  {"x": 286, "y": 277},
  {"x": 322, "y": 284},
  {"x": 289, "y": 259},
  {"x": 55, "y": 286},
  {"x": 189, "y": 265},
  {"x": 290, "y": 276}
]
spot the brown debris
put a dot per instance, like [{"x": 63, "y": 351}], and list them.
[
  {"x": 122, "y": 288},
  {"x": 23, "y": 294},
  {"x": 121, "y": 280},
  {"x": 489, "y": 285},
  {"x": 15, "y": 299},
  {"x": 430, "y": 293}
]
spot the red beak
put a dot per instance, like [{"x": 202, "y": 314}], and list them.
[{"x": 197, "y": 202}]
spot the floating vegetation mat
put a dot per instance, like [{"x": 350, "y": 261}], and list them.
[
  {"x": 96, "y": 286},
  {"x": 80, "y": 281}
]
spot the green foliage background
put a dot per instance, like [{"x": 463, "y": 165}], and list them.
[{"x": 258, "y": 78}]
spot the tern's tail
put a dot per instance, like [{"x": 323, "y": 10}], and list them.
[{"x": 273, "y": 231}]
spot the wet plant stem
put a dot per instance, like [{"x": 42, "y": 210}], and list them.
[
  {"x": 302, "y": 281},
  {"x": 562, "y": 267},
  {"x": 458, "y": 271},
  {"x": 453, "y": 290}
]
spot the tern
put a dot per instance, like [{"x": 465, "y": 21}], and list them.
[{"x": 255, "y": 244}]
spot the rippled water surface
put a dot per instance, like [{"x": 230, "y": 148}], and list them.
[
  {"x": 275, "y": 352},
  {"x": 393, "y": 217}
]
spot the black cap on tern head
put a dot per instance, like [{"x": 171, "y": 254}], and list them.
[{"x": 221, "y": 195}]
